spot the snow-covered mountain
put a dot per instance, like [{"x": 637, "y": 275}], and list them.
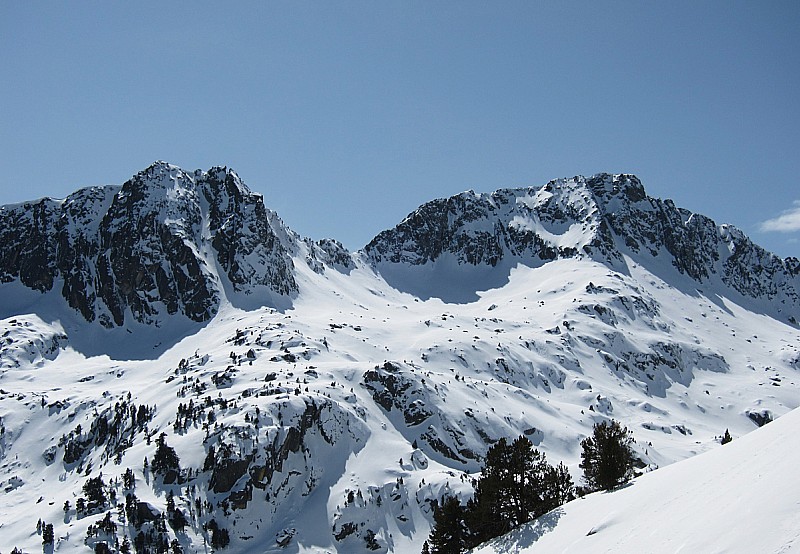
[
  {"x": 166, "y": 242},
  {"x": 319, "y": 400},
  {"x": 606, "y": 218}
]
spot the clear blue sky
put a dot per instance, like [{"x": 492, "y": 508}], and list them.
[{"x": 348, "y": 115}]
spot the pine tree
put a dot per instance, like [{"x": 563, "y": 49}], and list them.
[
  {"x": 539, "y": 487},
  {"x": 178, "y": 520},
  {"x": 726, "y": 438},
  {"x": 449, "y": 532},
  {"x": 219, "y": 535},
  {"x": 487, "y": 512},
  {"x": 210, "y": 460},
  {"x": 94, "y": 489},
  {"x": 558, "y": 487},
  {"x": 106, "y": 525},
  {"x": 522, "y": 481},
  {"x": 132, "y": 509},
  {"x": 128, "y": 479},
  {"x": 165, "y": 460},
  {"x": 607, "y": 459},
  {"x": 139, "y": 542},
  {"x": 517, "y": 485},
  {"x": 48, "y": 535}
]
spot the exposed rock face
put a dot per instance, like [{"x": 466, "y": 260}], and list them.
[
  {"x": 331, "y": 252},
  {"x": 392, "y": 388},
  {"x": 536, "y": 224},
  {"x": 605, "y": 217},
  {"x": 245, "y": 235},
  {"x": 284, "y": 469},
  {"x": 145, "y": 260},
  {"x": 163, "y": 243},
  {"x": 169, "y": 242},
  {"x": 453, "y": 435}
]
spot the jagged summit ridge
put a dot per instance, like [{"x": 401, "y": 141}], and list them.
[
  {"x": 169, "y": 242},
  {"x": 560, "y": 219},
  {"x": 608, "y": 218},
  {"x": 165, "y": 242}
]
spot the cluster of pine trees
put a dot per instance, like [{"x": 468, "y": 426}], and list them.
[{"x": 518, "y": 485}]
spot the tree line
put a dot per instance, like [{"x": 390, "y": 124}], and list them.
[{"x": 518, "y": 485}]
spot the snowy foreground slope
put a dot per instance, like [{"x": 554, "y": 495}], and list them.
[
  {"x": 744, "y": 497},
  {"x": 320, "y": 401}
]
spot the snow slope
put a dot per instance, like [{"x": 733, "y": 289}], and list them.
[
  {"x": 464, "y": 376},
  {"x": 743, "y": 497}
]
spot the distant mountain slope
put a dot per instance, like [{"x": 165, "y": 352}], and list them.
[
  {"x": 603, "y": 217},
  {"x": 739, "y": 499}
]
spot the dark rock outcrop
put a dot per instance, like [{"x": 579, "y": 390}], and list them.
[
  {"x": 604, "y": 217},
  {"x": 155, "y": 246}
]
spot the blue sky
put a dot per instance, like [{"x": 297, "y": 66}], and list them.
[{"x": 348, "y": 115}]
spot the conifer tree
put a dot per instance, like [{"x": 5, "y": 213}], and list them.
[
  {"x": 726, "y": 438},
  {"x": 607, "y": 459},
  {"x": 165, "y": 460},
  {"x": 449, "y": 532},
  {"x": 558, "y": 487},
  {"x": 178, "y": 520},
  {"x": 94, "y": 489},
  {"x": 128, "y": 479},
  {"x": 517, "y": 485},
  {"x": 487, "y": 512},
  {"x": 48, "y": 535}
]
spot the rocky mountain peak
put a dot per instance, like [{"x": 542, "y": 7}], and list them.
[
  {"x": 607, "y": 186},
  {"x": 560, "y": 219},
  {"x": 156, "y": 180},
  {"x": 606, "y": 217},
  {"x": 166, "y": 242}
]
